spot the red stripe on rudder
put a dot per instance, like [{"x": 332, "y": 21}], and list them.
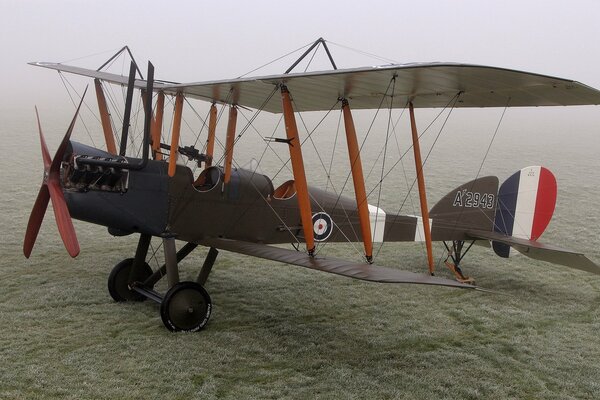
[{"x": 544, "y": 203}]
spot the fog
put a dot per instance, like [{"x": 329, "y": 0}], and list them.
[{"x": 196, "y": 41}]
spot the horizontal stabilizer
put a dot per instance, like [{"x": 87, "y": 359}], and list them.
[
  {"x": 539, "y": 251},
  {"x": 367, "y": 272}
]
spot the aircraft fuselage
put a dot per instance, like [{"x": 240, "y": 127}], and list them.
[{"x": 246, "y": 208}]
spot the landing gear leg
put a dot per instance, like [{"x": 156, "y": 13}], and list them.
[
  {"x": 456, "y": 253},
  {"x": 207, "y": 266},
  {"x": 171, "y": 261},
  {"x": 181, "y": 254}
]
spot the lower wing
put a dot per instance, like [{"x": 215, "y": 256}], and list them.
[{"x": 367, "y": 272}]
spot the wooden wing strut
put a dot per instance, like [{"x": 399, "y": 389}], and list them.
[
  {"x": 359, "y": 181},
  {"x": 175, "y": 134},
  {"x": 294, "y": 145},
  {"x": 105, "y": 118},
  {"x": 212, "y": 127},
  {"x": 157, "y": 126},
  {"x": 421, "y": 183},
  {"x": 229, "y": 142}
]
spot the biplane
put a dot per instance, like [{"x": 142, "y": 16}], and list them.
[{"x": 238, "y": 209}]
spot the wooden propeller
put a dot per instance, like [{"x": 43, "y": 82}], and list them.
[{"x": 51, "y": 191}]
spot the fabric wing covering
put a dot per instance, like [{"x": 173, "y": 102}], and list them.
[
  {"x": 427, "y": 85},
  {"x": 367, "y": 272}
]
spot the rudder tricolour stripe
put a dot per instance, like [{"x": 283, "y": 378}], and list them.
[{"x": 526, "y": 202}]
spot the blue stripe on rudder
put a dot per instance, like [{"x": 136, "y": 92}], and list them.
[
  {"x": 501, "y": 249},
  {"x": 505, "y": 212},
  {"x": 507, "y": 205}
]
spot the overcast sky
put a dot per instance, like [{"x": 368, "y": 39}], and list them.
[{"x": 204, "y": 40}]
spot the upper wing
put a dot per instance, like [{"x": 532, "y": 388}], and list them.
[
  {"x": 367, "y": 272},
  {"x": 104, "y": 76},
  {"x": 427, "y": 85},
  {"x": 539, "y": 251}
]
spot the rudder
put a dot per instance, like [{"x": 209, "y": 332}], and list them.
[{"x": 526, "y": 202}]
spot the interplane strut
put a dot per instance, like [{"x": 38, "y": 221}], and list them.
[{"x": 294, "y": 145}]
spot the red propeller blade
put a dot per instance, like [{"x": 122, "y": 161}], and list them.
[
  {"x": 51, "y": 190},
  {"x": 45, "y": 152},
  {"x": 63, "y": 218},
  {"x": 35, "y": 219},
  {"x": 60, "y": 152}
]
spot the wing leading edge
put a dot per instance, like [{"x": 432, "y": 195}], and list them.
[
  {"x": 427, "y": 85},
  {"x": 367, "y": 272}
]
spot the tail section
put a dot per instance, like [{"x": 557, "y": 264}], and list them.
[
  {"x": 514, "y": 216},
  {"x": 526, "y": 202}
]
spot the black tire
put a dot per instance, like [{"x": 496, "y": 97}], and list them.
[
  {"x": 118, "y": 281},
  {"x": 186, "y": 307}
]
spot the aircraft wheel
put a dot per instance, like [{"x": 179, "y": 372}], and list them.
[
  {"x": 186, "y": 307},
  {"x": 118, "y": 281}
]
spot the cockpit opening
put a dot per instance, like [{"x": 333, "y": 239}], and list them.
[
  {"x": 208, "y": 179},
  {"x": 285, "y": 191}
]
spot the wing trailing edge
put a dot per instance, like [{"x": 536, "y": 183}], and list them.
[{"x": 367, "y": 272}]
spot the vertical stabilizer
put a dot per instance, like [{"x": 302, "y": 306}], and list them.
[{"x": 469, "y": 206}]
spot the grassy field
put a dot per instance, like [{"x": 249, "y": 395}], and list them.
[{"x": 284, "y": 332}]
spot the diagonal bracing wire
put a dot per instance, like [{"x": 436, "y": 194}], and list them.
[
  {"x": 397, "y": 214},
  {"x": 387, "y": 135},
  {"x": 65, "y": 81}
]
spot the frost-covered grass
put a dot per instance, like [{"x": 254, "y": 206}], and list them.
[{"x": 285, "y": 332}]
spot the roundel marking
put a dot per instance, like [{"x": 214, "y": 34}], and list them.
[{"x": 322, "y": 226}]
